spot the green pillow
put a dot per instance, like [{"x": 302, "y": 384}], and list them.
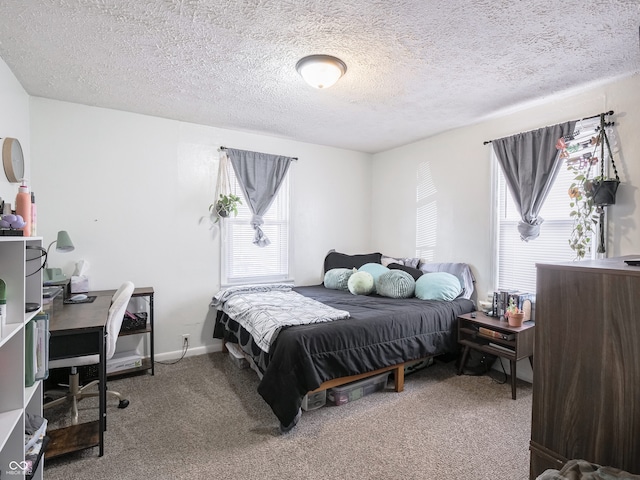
[
  {"x": 396, "y": 284},
  {"x": 375, "y": 269},
  {"x": 438, "y": 286},
  {"x": 337, "y": 278},
  {"x": 361, "y": 283}
]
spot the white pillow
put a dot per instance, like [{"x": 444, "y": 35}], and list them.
[{"x": 361, "y": 283}]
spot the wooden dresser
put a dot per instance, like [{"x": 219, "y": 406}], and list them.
[{"x": 586, "y": 386}]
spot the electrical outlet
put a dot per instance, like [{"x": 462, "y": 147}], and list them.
[{"x": 185, "y": 339}]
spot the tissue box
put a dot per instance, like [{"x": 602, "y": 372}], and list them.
[{"x": 79, "y": 284}]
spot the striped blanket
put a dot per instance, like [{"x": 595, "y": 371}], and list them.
[{"x": 263, "y": 310}]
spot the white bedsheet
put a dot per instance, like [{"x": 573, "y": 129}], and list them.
[{"x": 264, "y": 309}]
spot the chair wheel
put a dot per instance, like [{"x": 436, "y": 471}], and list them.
[{"x": 124, "y": 403}]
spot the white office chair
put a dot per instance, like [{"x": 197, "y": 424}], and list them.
[{"x": 119, "y": 303}]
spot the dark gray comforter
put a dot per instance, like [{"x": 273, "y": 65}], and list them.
[{"x": 381, "y": 332}]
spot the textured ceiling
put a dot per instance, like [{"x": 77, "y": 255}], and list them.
[{"x": 415, "y": 67}]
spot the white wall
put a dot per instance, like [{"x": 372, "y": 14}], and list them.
[
  {"x": 14, "y": 123},
  {"x": 460, "y": 168},
  {"x": 133, "y": 192},
  {"x": 460, "y": 180}
]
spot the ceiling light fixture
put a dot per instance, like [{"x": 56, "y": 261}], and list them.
[{"x": 321, "y": 71}]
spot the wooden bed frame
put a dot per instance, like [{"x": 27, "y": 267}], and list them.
[{"x": 336, "y": 382}]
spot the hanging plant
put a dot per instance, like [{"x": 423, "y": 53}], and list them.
[
  {"x": 588, "y": 195},
  {"x": 604, "y": 188},
  {"x": 225, "y": 206}
]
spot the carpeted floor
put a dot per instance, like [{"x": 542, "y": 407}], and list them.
[{"x": 203, "y": 419}]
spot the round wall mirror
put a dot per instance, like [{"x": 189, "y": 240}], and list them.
[{"x": 12, "y": 159}]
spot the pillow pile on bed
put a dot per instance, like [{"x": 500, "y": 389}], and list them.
[
  {"x": 338, "y": 278},
  {"x": 430, "y": 281}
]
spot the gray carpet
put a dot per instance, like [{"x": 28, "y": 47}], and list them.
[{"x": 203, "y": 419}]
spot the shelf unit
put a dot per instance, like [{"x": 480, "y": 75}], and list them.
[
  {"x": 17, "y": 265},
  {"x": 512, "y": 350},
  {"x": 148, "y": 361}
]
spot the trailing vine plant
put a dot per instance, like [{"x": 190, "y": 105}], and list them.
[
  {"x": 588, "y": 195},
  {"x": 583, "y": 209}
]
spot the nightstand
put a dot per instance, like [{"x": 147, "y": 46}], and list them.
[{"x": 492, "y": 335}]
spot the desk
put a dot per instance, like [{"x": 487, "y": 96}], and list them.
[{"x": 78, "y": 330}]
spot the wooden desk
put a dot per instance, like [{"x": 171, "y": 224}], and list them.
[{"x": 78, "y": 330}]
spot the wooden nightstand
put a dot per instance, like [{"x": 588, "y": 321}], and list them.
[{"x": 511, "y": 343}]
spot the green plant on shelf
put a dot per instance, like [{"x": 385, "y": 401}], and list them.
[{"x": 512, "y": 309}]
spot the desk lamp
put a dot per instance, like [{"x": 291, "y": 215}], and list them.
[{"x": 64, "y": 244}]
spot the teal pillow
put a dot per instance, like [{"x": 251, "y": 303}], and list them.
[
  {"x": 375, "y": 269},
  {"x": 438, "y": 286},
  {"x": 361, "y": 283},
  {"x": 337, "y": 278},
  {"x": 396, "y": 284}
]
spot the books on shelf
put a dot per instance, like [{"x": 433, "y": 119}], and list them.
[
  {"x": 524, "y": 301},
  {"x": 495, "y": 334}
]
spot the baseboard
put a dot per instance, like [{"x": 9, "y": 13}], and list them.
[{"x": 191, "y": 352}]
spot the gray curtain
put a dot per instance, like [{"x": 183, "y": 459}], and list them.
[
  {"x": 260, "y": 176},
  {"x": 530, "y": 162}
]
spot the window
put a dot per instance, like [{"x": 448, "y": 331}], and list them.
[
  {"x": 516, "y": 260},
  {"x": 244, "y": 262}
]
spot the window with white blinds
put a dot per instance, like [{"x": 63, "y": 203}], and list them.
[
  {"x": 242, "y": 261},
  {"x": 516, "y": 260}
]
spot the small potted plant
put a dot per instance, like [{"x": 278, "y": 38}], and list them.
[
  {"x": 514, "y": 315},
  {"x": 226, "y": 205}
]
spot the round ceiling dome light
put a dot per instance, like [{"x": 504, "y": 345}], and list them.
[{"x": 321, "y": 71}]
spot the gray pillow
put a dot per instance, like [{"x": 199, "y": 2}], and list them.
[
  {"x": 338, "y": 278},
  {"x": 407, "y": 261},
  {"x": 396, "y": 284}
]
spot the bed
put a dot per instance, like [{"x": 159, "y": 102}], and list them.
[{"x": 380, "y": 334}]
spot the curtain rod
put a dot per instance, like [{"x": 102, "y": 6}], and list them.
[
  {"x": 610, "y": 112},
  {"x": 295, "y": 159}
]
